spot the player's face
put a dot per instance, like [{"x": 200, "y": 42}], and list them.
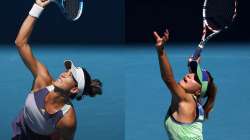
[
  {"x": 190, "y": 84},
  {"x": 65, "y": 81}
]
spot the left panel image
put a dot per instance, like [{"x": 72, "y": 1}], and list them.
[{"x": 63, "y": 76}]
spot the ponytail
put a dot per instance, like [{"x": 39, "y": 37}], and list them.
[{"x": 211, "y": 95}]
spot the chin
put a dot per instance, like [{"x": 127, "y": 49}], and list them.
[
  {"x": 57, "y": 83},
  {"x": 181, "y": 82}
]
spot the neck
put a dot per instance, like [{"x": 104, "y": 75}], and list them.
[{"x": 60, "y": 95}]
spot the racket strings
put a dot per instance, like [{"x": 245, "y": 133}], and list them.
[
  {"x": 220, "y": 13},
  {"x": 218, "y": 22},
  {"x": 72, "y": 8}
]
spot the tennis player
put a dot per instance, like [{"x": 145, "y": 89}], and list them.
[
  {"x": 186, "y": 112},
  {"x": 48, "y": 113}
]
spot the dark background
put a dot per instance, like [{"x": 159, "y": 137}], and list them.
[
  {"x": 101, "y": 22},
  {"x": 119, "y": 22},
  {"x": 183, "y": 19}
]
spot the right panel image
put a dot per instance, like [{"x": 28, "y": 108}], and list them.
[{"x": 187, "y": 71}]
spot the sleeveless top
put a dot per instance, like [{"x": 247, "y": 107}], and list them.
[
  {"x": 35, "y": 116},
  {"x": 181, "y": 131}
]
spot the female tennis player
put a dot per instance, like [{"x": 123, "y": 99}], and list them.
[
  {"x": 48, "y": 113},
  {"x": 186, "y": 112}
]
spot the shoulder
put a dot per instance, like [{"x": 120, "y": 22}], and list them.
[
  {"x": 187, "y": 102},
  {"x": 68, "y": 121},
  {"x": 66, "y": 127}
]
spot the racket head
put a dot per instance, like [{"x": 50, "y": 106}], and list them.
[
  {"x": 219, "y": 14},
  {"x": 71, "y": 9}
]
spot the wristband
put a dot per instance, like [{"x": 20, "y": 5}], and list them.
[{"x": 36, "y": 11}]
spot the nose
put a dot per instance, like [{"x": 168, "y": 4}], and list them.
[
  {"x": 64, "y": 74},
  {"x": 67, "y": 74}
]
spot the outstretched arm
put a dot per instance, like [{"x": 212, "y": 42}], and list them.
[
  {"x": 38, "y": 70},
  {"x": 165, "y": 67}
]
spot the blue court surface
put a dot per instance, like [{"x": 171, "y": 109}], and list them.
[
  {"x": 134, "y": 100},
  {"x": 148, "y": 98},
  {"x": 99, "y": 118}
]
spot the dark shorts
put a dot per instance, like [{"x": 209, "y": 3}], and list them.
[{"x": 22, "y": 132}]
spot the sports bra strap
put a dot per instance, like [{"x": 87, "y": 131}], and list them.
[{"x": 50, "y": 88}]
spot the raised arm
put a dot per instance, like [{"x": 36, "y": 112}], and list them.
[
  {"x": 165, "y": 67},
  {"x": 38, "y": 70}
]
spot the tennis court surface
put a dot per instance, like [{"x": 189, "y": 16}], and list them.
[{"x": 134, "y": 100}]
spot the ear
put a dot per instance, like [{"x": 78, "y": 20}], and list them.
[{"x": 74, "y": 90}]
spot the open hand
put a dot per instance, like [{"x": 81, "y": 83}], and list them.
[{"x": 160, "y": 41}]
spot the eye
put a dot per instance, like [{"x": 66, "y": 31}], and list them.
[{"x": 74, "y": 80}]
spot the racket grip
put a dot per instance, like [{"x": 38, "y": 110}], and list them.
[{"x": 197, "y": 53}]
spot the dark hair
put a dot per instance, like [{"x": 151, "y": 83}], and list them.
[
  {"x": 211, "y": 95},
  {"x": 92, "y": 87},
  {"x": 95, "y": 88}
]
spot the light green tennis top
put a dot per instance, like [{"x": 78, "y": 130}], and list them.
[{"x": 183, "y": 131}]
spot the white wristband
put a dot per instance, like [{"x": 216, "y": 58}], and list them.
[{"x": 36, "y": 11}]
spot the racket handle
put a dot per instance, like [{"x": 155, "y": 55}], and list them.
[{"x": 197, "y": 53}]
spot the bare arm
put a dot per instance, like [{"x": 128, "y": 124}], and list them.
[
  {"x": 67, "y": 126},
  {"x": 24, "y": 48},
  {"x": 165, "y": 67},
  {"x": 67, "y": 134},
  {"x": 39, "y": 71}
]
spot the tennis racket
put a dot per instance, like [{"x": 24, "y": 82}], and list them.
[
  {"x": 218, "y": 15},
  {"x": 71, "y": 9}
]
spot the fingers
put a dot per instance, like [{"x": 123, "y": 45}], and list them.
[
  {"x": 156, "y": 36},
  {"x": 166, "y": 36},
  {"x": 166, "y": 33},
  {"x": 46, "y": 2},
  {"x": 43, "y": 3}
]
